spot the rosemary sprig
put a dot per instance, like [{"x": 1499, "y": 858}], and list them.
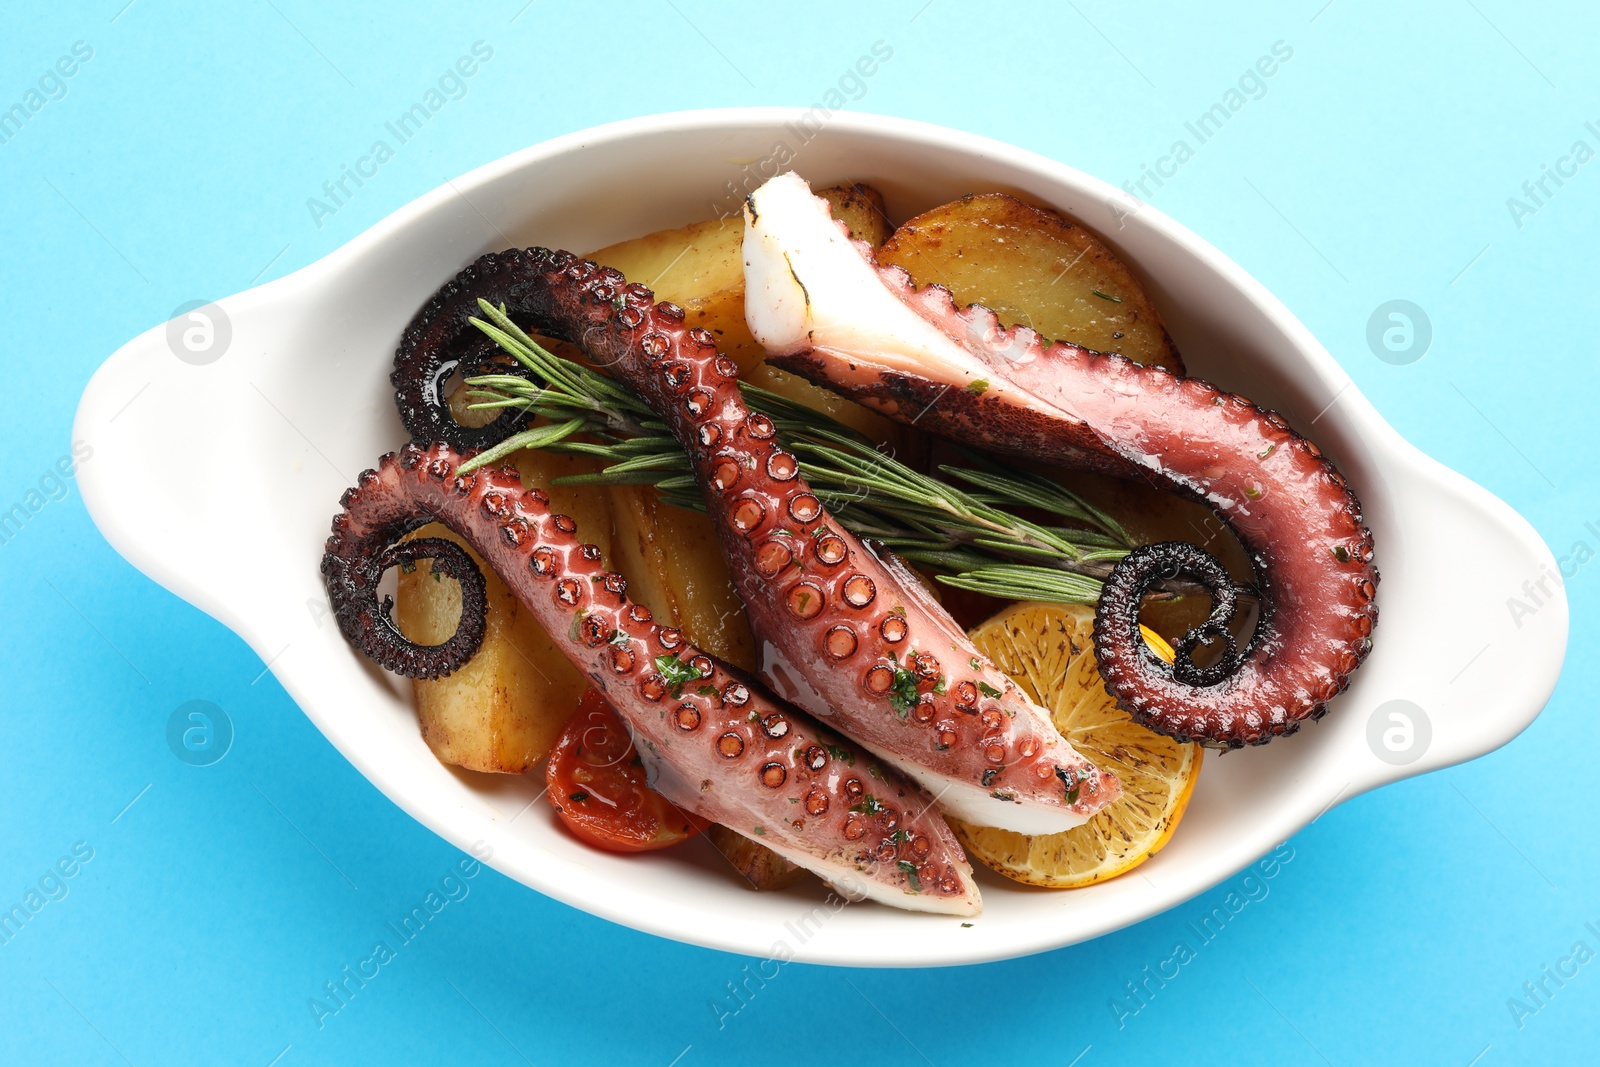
[{"x": 960, "y": 522}]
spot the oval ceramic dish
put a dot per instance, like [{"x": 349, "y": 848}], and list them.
[{"x": 299, "y": 404}]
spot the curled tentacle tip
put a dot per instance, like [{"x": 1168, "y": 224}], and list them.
[
  {"x": 442, "y": 341},
  {"x": 1207, "y": 634},
  {"x": 352, "y": 569},
  {"x": 1125, "y": 658}
]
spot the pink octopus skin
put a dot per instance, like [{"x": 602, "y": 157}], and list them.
[
  {"x": 715, "y": 745},
  {"x": 845, "y": 635},
  {"x": 1008, "y": 390}
]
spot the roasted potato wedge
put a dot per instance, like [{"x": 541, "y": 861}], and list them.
[
  {"x": 722, "y": 313},
  {"x": 502, "y": 711},
  {"x": 860, "y": 208},
  {"x": 700, "y": 266},
  {"x": 676, "y": 568},
  {"x": 685, "y": 264},
  {"x": 761, "y": 867},
  {"x": 701, "y": 259},
  {"x": 1035, "y": 268}
]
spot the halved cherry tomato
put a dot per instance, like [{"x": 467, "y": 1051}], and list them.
[{"x": 597, "y": 784}]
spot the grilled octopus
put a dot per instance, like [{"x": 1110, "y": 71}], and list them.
[{"x": 823, "y": 308}]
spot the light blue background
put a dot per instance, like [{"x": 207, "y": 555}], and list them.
[{"x": 177, "y": 167}]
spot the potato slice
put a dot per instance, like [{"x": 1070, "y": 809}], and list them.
[
  {"x": 1035, "y": 268},
  {"x": 502, "y": 711}
]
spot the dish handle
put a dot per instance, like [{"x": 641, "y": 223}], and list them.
[
  {"x": 191, "y": 392},
  {"x": 1483, "y": 657}
]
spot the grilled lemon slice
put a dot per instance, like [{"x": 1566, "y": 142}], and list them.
[{"x": 1048, "y": 650}]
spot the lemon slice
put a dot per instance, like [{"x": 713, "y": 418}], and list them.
[{"x": 1048, "y": 650}]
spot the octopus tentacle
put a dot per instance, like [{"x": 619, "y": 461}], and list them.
[
  {"x": 712, "y": 743},
  {"x": 1134, "y": 576},
  {"x": 352, "y": 579},
  {"x": 846, "y": 635},
  {"x": 441, "y": 340},
  {"x": 823, "y": 308}
]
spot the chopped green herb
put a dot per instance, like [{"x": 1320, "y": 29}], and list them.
[
  {"x": 1072, "y": 794},
  {"x": 989, "y": 691},
  {"x": 900, "y": 836},
  {"x": 1106, "y": 296},
  {"x": 1000, "y": 794},
  {"x": 676, "y": 673},
  {"x": 911, "y": 875},
  {"x": 990, "y": 775},
  {"x": 759, "y": 831},
  {"x": 939, "y": 687},
  {"x": 1341, "y": 553},
  {"x": 1270, "y": 449},
  {"x": 966, "y": 926},
  {"x": 843, "y": 755},
  {"x": 903, "y": 693},
  {"x": 975, "y": 664},
  {"x": 409, "y": 566},
  {"x": 577, "y": 620},
  {"x": 869, "y": 806},
  {"x": 1252, "y": 492},
  {"x": 706, "y": 690},
  {"x": 618, "y": 638},
  {"x": 579, "y": 797},
  {"x": 978, "y": 386}
]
